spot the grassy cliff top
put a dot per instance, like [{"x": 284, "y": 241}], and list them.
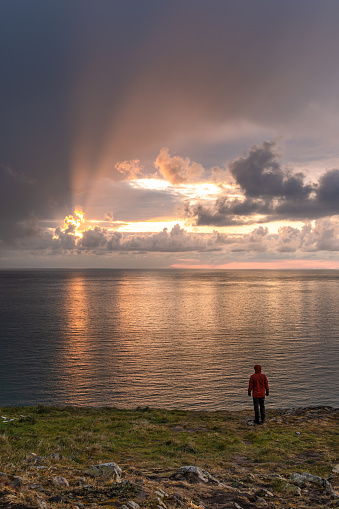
[{"x": 36, "y": 442}]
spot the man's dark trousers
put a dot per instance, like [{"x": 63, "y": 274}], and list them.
[{"x": 259, "y": 402}]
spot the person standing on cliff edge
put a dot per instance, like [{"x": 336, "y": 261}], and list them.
[{"x": 258, "y": 386}]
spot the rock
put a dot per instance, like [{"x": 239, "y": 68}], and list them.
[
  {"x": 60, "y": 481},
  {"x": 108, "y": 470},
  {"x": 194, "y": 474},
  {"x": 301, "y": 479},
  {"x": 281, "y": 485},
  {"x": 292, "y": 490},
  {"x": 56, "y": 456},
  {"x": 161, "y": 493},
  {"x": 261, "y": 502},
  {"x": 305, "y": 477},
  {"x": 273, "y": 477},
  {"x": 263, "y": 493},
  {"x": 34, "y": 458},
  {"x": 3, "y": 478},
  {"x": 16, "y": 483},
  {"x": 178, "y": 496},
  {"x": 41, "y": 503},
  {"x": 132, "y": 505},
  {"x": 56, "y": 499},
  {"x": 139, "y": 480},
  {"x": 335, "y": 469}
]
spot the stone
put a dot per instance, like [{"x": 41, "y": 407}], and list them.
[
  {"x": 108, "y": 470},
  {"x": 56, "y": 456},
  {"x": 305, "y": 477},
  {"x": 132, "y": 505},
  {"x": 281, "y": 485},
  {"x": 194, "y": 474},
  {"x": 261, "y": 502},
  {"x": 41, "y": 503},
  {"x": 292, "y": 490},
  {"x": 16, "y": 483},
  {"x": 161, "y": 493},
  {"x": 3, "y": 478},
  {"x": 60, "y": 481},
  {"x": 263, "y": 493},
  {"x": 335, "y": 469},
  {"x": 56, "y": 499},
  {"x": 34, "y": 458}
]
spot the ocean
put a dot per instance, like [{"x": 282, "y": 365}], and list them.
[{"x": 183, "y": 339}]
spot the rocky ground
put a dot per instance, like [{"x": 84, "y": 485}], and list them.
[{"x": 239, "y": 483}]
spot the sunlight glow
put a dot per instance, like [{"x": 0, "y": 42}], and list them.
[
  {"x": 201, "y": 190},
  {"x": 149, "y": 226},
  {"x": 72, "y": 224},
  {"x": 152, "y": 183}
]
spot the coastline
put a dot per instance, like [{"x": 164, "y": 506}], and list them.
[{"x": 48, "y": 455}]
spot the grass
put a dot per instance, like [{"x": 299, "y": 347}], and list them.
[{"x": 165, "y": 439}]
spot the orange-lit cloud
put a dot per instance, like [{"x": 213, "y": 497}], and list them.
[
  {"x": 130, "y": 169},
  {"x": 73, "y": 222},
  {"x": 176, "y": 169},
  {"x": 322, "y": 236},
  {"x": 68, "y": 235}
]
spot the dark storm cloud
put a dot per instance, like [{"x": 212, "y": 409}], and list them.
[
  {"x": 328, "y": 190},
  {"x": 260, "y": 175},
  {"x": 21, "y": 200},
  {"x": 34, "y": 121},
  {"x": 115, "y": 80},
  {"x": 269, "y": 191}
]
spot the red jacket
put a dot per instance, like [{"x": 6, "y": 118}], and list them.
[{"x": 258, "y": 383}]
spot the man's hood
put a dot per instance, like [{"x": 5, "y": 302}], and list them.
[{"x": 257, "y": 368}]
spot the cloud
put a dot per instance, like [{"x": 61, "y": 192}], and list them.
[
  {"x": 24, "y": 200},
  {"x": 176, "y": 169},
  {"x": 93, "y": 239},
  {"x": 328, "y": 189},
  {"x": 109, "y": 216},
  {"x": 261, "y": 175},
  {"x": 109, "y": 83},
  {"x": 270, "y": 192},
  {"x": 318, "y": 237},
  {"x": 130, "y": 169}
]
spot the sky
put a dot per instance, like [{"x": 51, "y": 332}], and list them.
[{"x": 169, "y": 134}]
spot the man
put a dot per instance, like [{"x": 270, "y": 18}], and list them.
[{"x": 258, "y": 386}]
